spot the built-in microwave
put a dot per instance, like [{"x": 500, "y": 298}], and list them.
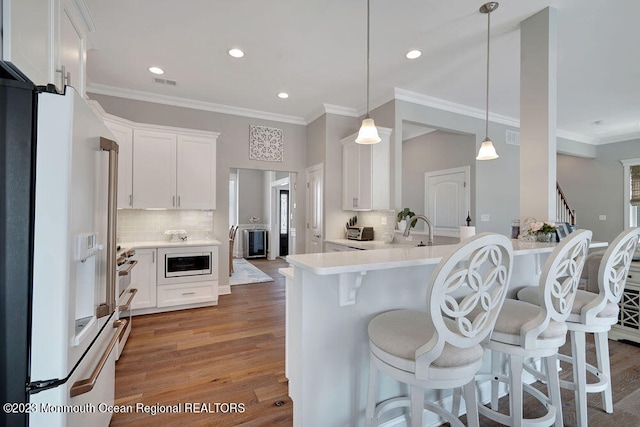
[{"x": 185, "y": 264}]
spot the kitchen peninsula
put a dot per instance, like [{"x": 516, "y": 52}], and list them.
[{"x": 332, "y": 297}]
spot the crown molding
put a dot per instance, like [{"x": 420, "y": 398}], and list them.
[
  {"x": 465, "y": 110},
  {"x": 190, "y": 103},
  {"x": 83, "y": 15},
  {"x": 453, "y": 107},
  {"x": 618, "y": 138},
  {"x": 97, "y": 108}
]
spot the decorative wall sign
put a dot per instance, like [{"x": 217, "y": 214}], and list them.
[{"x": 266, "y": 144}]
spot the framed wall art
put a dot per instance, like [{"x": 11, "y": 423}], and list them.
[{"x": 266, "y": 143}]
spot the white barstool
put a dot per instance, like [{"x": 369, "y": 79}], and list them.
[
  {"x": 524, "y": 330},
  {"x": 595, "y": 312},
  {"x": 441, "y": 348}
]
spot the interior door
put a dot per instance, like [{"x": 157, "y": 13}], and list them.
[
  {"x": 447, "y": 199},
  {"x": 314, "y": 208}
]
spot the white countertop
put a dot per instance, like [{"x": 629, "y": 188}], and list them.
[
  {"x": 379, "y": 244},
  {"x": 166, "y": 244},
  {"x": 398, "y": 255}
]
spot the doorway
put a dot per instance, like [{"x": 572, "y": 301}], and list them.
[
  {"x": 283, "y": 216},
  {"x": 255, "y": 204}
]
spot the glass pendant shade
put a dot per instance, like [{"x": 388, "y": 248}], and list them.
[
  {"x": 487, "y": 151},
  {"x": 368, "y": 133}
]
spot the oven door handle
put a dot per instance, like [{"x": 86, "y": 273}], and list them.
[
  {"x": 125, "y": 306},
  {"x": 127, "y": 270}
]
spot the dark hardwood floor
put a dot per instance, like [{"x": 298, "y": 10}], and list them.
[{"x": 233, "y": 353}]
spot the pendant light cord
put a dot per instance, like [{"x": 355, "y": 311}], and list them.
[
  {"x": 368, "y": 1},
  {"x": 486, "y": 134}
]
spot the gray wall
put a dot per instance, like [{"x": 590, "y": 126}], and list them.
[
  {"x": 497, "y": 182},
  {"x": 251, "y": 195},
  {"x": 432, "y": 152},
  {"x": 232, "y": 152},
  {"x": 594, "y": 187}
]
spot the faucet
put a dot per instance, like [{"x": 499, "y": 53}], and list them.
[{"x": 429, "y": 226}]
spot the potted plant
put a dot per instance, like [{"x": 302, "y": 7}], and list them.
[
  {"x": 402, "y": 218},
  {"x": 543, "y": 230}
]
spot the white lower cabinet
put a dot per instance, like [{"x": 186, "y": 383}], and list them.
[
  {"x": 153, "y": 296},
  {"x": 186, "y": 293},
  {"x": 144, "y": 278},
  {"x": 628, "y": 326}
]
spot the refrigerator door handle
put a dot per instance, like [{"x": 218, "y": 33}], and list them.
[
  {"x": 109, "y": 305},
  {"x": 87, "y": 384}
]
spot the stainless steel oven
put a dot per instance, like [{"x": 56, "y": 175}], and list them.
[{"x": 185, "y": 264}]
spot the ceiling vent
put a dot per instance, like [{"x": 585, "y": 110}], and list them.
[
  {"x": 165, "y": 82},
  {"x": 512, "y": 137}
]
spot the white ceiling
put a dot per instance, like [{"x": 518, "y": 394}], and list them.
[{"x": 316, "y": 51}]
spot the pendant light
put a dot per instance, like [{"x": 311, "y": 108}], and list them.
[
  {"x": 487, "y": 150},
  {"x": 368, "y": 133}
]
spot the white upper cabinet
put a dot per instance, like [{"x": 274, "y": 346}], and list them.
[
  {"x": 70, "y": 55},
  {"x": 124, "y": 137},
  {"x": 366, "y": 173},
  {"x": 196, "y": 172},
  {"x": 46, "y": 40},
  {"x": 173, "y": 170},
  {"x": 162, "y": 167},
  {"x": 154, "y": 169},
  {"x": 27, "y": 37}
]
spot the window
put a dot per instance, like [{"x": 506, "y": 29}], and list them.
[{"x": 631, "y": 192}]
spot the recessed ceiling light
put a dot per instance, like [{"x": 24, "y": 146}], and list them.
[
  {"x": 283, "y": 95},
  {"x": 413, "y": 54},
  {"x": 236, "y": 53},
  {"x": 156, "y": 70}
]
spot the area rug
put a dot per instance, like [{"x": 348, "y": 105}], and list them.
[{"x": 244, "y": 272}]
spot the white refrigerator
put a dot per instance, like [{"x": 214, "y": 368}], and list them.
[{"x": 62, "y": 280}]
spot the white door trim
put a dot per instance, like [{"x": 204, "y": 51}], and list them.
[{"x": 319, "y": 209}]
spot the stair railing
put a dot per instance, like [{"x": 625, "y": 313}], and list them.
[{"x": 564, "y": 212}]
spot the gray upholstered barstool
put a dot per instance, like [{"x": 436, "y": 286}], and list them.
[
  {"x": 441, "y": 348},
  {"x": 524, "y": 330},
  {"x": 594, "y": 311}
]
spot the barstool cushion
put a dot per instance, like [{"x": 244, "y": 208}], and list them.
[
  {"x": 530, "y": 294},
  {"x": 402, "y": 332},
  {"x": 516, "y": 313}
]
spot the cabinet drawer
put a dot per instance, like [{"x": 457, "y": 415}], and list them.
[{"x": 186, "y": 293}]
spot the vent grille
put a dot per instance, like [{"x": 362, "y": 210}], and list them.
[
  {"x": 512, "y": 137},
  {"x": 165, "y": 82}
]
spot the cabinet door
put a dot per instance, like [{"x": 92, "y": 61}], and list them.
[
  {"x": 124, "y": 137},
  {"x": 356, "y": 176},
  {"x": 196, "y": 172},
  {"x": 365, "y": 187},
  {"x": 154, "y": 169},
  {"x": 143, "y": 278},
  {"x": 26, "y": 36},
  {"x": 70, "y": 57},
  {"x": 350, "y": 175}
]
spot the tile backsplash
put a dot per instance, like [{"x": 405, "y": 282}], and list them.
[
  {"x": 148, "y": 225},
  {"x": 374, "y": 219}
]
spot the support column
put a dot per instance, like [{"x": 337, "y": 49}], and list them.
[{"x": 538, "y": 111}]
